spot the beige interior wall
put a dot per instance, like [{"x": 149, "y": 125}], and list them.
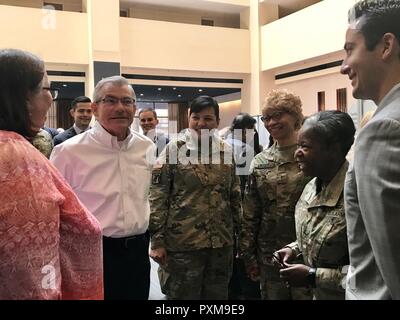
[
  {"x": 268, "y": 13},
  {"x": 104, "y": 31},
  {"x": 184, "y": 16},
  {"x": 314, "y": 31},
  {"x": 167, "y": 45},
  {"x": 56, "y": 36},
  {"x": 307, "y": 89},
  {"x": 68, "y": 5},
  {"x": 227, "y": 111}
]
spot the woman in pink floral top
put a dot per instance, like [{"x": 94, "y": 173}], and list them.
[{"x": 50, "y": 245}]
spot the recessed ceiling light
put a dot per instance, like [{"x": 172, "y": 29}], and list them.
[
  {"x": 200, "y": 90},
  {"x": 65, "y": 85},
  {"x": 179, "y": 95},
  {"x": 159, "y": 89},
  {"x": 173, "y": 88},
  {"x": 141, "y": 94}
]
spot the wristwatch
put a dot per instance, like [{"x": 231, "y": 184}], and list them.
[{"x": 311, "y": 277}]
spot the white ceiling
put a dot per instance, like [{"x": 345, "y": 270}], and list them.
[{"x": 203, "y": 5}]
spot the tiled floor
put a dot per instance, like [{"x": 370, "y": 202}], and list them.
[{"x": 155, "y": 291}]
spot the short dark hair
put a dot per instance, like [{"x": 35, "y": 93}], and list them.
[
  {"x": 21, "y": 73},
  {"x": 203, "y": 102},
  {"x": 378, "y": 17},
  {"x": 147, "y": 110},
  {"x": 331, "y": 127},
  {"x": 80, "y": 99},
  {"x": 243, "y": 121}
]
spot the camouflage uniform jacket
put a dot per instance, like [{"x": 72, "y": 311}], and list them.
[
  {"x": 194, "y": 206},
  {"x": 43, "y": 142},
  {"x": 321, "y": 235},
  {"x": 274, "y": 186}
]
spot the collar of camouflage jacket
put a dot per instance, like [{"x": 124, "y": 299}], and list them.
[
  {"x": 280, "y": 154},
  {"x": 330, "y": 195}
]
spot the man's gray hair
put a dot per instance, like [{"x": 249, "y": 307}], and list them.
[{"x": 114, "y": 80}]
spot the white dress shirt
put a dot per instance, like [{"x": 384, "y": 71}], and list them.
[
  {"x": 112, "y": 180},
  {"x": 79, "y": 130}
]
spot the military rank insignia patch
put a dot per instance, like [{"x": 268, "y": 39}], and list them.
[{"x": 156, "y": 177}]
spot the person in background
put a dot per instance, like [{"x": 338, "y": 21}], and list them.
[
  {"x": 372, "y": 188},
  {"x": 195, "y": 207},
  {"x": 148, "y": 123},
  {"x": 243, "y": 138},
  {"x": 81, "y": 111},
  {"x": 275, "y": 184},
  {"x": 50, "y": 244},
  {"x": 325, "y": 137},
  {"x": 108, "y": 169}
]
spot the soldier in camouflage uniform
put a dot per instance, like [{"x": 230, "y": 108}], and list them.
[
  {"x": 320, "y": 219},
  {"x": 195, "y": 206},
  {"x": 275, "y": 184},
  {"x": 43, "y": 142}
]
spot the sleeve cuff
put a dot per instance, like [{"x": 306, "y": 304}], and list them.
[
  {"x": 295, "y": 247},
  {"x": 330, "y": 279},
  {"x": 157, "y": 243}
]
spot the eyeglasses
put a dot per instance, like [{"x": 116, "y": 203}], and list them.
[
  {"x": 53, "y": 92},
  {"x": 113, "y": 101},
  {"x": 274, "y": 116}
]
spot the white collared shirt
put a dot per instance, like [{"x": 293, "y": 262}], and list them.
[
  {"x": 151, "y": 134},
  {"x": 112, "y": 181},
  {"x": 79, "y": 130}
]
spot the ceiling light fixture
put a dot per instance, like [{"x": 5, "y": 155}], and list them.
[
  {"x": 159, "y": 89},
  {"x": 173, "y": 88},
  {"x": 179, "y": 95},
  {"x": 200, "y": 90}
]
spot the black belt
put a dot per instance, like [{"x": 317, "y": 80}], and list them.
[{"x": 126, "y": 241}]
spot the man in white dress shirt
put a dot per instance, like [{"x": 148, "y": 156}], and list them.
[{"x": 107, "y": 168}]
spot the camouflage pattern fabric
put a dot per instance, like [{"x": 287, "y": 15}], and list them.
[
  {"x": 275, "y": 184},
  {"x": 43, "y": 142},
  {"x": 195, "y": 275},
  {"x": 322, "y": 236},
  {"x": 195, "y": 206}
]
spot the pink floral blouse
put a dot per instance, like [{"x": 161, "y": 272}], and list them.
[{"x": 50, "y": 244}]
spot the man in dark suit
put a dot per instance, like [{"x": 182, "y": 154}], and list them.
[
  {"x": 372, "y": 187},
  {"x": 52, "y": 131},
  {"x": 148, "y": 122},
  {"x": 81, "y": 111}
]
